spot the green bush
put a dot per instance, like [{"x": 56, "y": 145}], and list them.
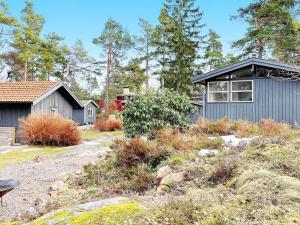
[{"x": 153, "y": 111}]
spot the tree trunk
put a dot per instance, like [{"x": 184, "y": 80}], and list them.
[
  {"x": 147, "y": 67},
  {"x": 107, "y": 81},
  {"x": 25, "y": 70},
  {"x": 261, "y": 43}
]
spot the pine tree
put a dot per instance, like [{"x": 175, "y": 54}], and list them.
[
  {"x": 213, "y": 55},
  {"x": 144, "y": 46},
  {"x": 178, "y": 39},
  {"x": 135, "y": 76},
  {"x": 268, "y": 20},
  {"x": 27, "y": 39},
  {"x": 114, "y": 42}
]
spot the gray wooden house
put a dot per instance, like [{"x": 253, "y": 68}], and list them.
[
  {"x": 88, "y": 114},
  {"x": 19, "y": 99},
  {"x": 252, "y": 89}
]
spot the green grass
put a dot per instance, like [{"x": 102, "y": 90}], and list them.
[
  {"x": 92, "y": 134},
  {"x": 17, "y": 156}
]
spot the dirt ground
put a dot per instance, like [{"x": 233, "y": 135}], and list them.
[{"x": 37, "y": 177}]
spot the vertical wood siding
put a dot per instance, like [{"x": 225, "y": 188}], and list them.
[
  {"x": 11, "y": 113},
  {"x": 276, "y": 99},
  {"x": 55, "y": 100},
  {"x": 89, "y": 120}
]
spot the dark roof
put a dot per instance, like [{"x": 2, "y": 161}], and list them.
[
  {"x": 33, "y": 91},
  {"x": 86, "y": 102},
  {"x": 245, "y": 63}
]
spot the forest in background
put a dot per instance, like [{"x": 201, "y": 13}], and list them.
[{"x": 175, "y": 50}]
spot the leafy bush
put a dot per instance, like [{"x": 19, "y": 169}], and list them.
[
  {"x": 49, "y": 129},
  {"x": 153, "y": 111},
  {"x": 108, "y": 125},
  {"x": 269, "y": 127}
]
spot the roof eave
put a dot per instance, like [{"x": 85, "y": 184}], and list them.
[
  {"x": 53, "y": 89},
  {"x": 248, "y": 62}
]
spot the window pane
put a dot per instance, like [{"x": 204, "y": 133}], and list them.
[
  {"x": 217, "y": 97},
  {"x": 218, "y": 86},
  {"x": 242, "y": 73},
  {"x": 224, "y": 77},
  {"x": 241, "y": 96},
  {"x": 242, "y": 86}
]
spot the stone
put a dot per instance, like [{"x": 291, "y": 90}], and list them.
[
  {"x": 31, "y": 212},
  {"x": 162, "y": 173},
  {"x": 40, "y": 204},
  {"x": 56, "y": 186},
  {"x": 232, "y": 140},
  {"x": 172, "y": 179},
  {"x": 208, "y": 152},
  {"x": 78, "y": 172},
  {"x": 100, "y": 204}
]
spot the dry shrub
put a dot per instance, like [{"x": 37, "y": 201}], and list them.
[
  {"x": 269, "y": 127},
  {"x": 200, "y": 127},
  {"x": 49, "y": 129},
  {"x": 204, "y": 126},
  {"x": 172, "y": 137},
  {"x": 222, "y": 173},
  {"x": 132, "y": 152},
  {"x": 104, "y": 125},
  {"x": 244, "y": 128}
]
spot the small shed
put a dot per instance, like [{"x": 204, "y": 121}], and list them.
[
  {"x": 88, "y": 114},
  {"x": 20, "y": 99},
  {"x": 252, "y": 89}
]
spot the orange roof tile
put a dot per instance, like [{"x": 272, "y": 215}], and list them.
[{"x": 24, "y": 91}]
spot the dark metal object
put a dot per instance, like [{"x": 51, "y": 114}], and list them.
[{"x": 6, "y": 186}]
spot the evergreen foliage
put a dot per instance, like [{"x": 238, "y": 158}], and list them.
[
  {"x": 153, "y": 111},
  {"x": 178, "y": 39}
]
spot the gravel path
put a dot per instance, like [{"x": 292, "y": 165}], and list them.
[{"x": 37, "y": 177}]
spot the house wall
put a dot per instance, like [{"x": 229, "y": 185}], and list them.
[
  {"x": 10, "y": 114},
  {"x": 276, "y": 99},
  {"x": 55, "y": 100},
  {"x": 89, "y": 120},
  {"x": 78, "y": 116}
]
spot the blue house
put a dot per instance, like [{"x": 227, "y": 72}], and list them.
[{"x": 252, "y": 89}]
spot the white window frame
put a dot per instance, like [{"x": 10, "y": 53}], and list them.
[
  {"x": 208, "y": 91},
  {"x": 92, "y": 114},
  {"x": 236, "y": 81}
]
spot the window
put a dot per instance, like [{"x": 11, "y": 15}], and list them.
[
  {"x": 218, "y": 91},
  {"x": 242, "y": 91},
  {"x": 224, "y": 77},
  {"x": 90, "y": 112},
  {"x": 54, "y": 110},
  {"x": 247, "y": 72}
]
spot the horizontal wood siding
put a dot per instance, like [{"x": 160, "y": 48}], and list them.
[
  {"x": 276, "y": 99},
  {"x": 11, "y": 113},
  {"x": 55, "y": 100}
]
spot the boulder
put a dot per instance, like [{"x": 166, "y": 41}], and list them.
[
  {"x": 173, "y": 178},
  {"x": 162, "y": 173},
  {"x": 40, "y": 204},
  {"x": 31, "y": 212},
  {"x": 56, "y": 186},
  {"x": 232, "y": 140}
]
